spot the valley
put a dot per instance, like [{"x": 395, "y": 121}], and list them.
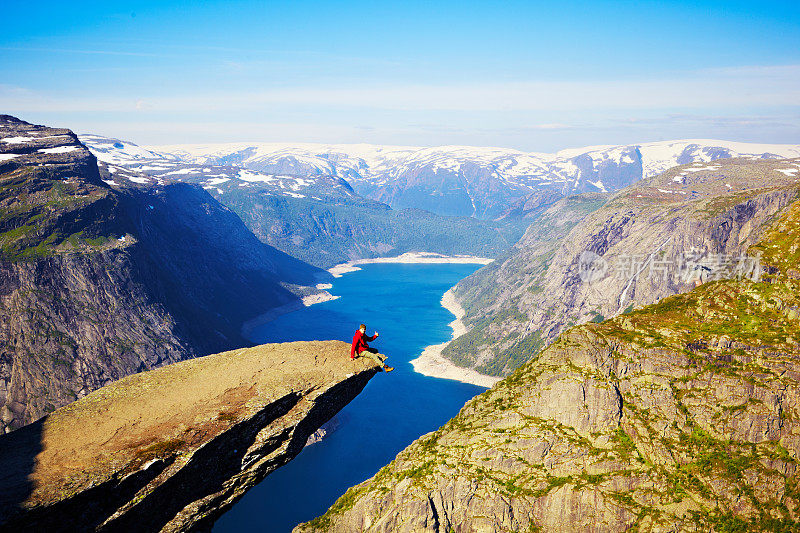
[
  {"x": 602, "y": 312},
  {"x": 658, "y": 237},
  {"x": 400, "y": 267}
]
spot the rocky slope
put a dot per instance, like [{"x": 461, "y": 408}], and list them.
[
  {"x": 308, "y": 211},
  {"x": 171, "y": 449},
  {"x": 658, "y": 237},
  {"x": 470, "y": 181},
  {"x": 100, "y": 281},
  {"x": 681, "y": 416}
]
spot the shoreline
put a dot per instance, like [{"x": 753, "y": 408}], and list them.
[
  {"x": 408, "y": 257},
  {"x": 339, "y": 270},
  {"x": 432, "y": 363}
]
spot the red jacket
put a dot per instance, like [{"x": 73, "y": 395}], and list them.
[{"x": 360, "y": 343}]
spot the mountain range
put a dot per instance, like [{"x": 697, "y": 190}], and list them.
[
  {"x": 308, "y": 211},
  {"x": 646, "y": 322},
  {"x": 328, "y": 204},
  {"x": 469, "y": 181}
]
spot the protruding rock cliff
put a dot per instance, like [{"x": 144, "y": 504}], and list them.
[
  {"x": 98, "y": 280},
  {"x": 172, "y": 448},
  {"x": 681, "y": 416},
  {"x": 653, "y": 239}
]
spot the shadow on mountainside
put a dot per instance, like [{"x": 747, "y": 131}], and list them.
[
  {"x": 222, "y": 458},
  {"x": 18, "y": 451}
]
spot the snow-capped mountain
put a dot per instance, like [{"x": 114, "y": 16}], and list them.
[
  {"x": 468, "y": 181},
  {"x": 126, "y": 161}
]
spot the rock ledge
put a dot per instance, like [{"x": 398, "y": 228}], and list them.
[{"x": 173, "y": 448}]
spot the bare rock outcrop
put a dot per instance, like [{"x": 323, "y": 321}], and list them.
[{"x": 172, "y": 448}]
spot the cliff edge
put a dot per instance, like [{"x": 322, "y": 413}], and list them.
[{"x": 173, "y": 448}]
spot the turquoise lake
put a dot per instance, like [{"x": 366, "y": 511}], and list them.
[{"x": 401, "y": 302}]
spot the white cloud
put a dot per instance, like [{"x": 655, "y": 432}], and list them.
[{"x": 755, "y": 86}]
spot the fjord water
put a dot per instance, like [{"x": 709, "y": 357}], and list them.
[{"x": 401, "y": 302}]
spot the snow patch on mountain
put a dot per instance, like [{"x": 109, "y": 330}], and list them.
[
  {"x": 364, "y": 161},
  {"x": 454, "y": 180},
  {"x": 130, "y": 163},
  {"x": 58, "y": 150}
]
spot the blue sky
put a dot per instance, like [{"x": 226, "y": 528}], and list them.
[{"x": 537, "y": 76}]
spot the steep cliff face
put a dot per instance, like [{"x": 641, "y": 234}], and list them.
[
  {"x": 97, "y": 282},
  {"x": 681, "y": 416},
  {"x": 653, "y": 239},
  {"x": 173, "y": 448}
]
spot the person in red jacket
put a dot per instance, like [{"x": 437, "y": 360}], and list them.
[{"x": 360, "y": 348}]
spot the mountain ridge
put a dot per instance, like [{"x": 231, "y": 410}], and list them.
[{"x": 479, "y": 182}]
